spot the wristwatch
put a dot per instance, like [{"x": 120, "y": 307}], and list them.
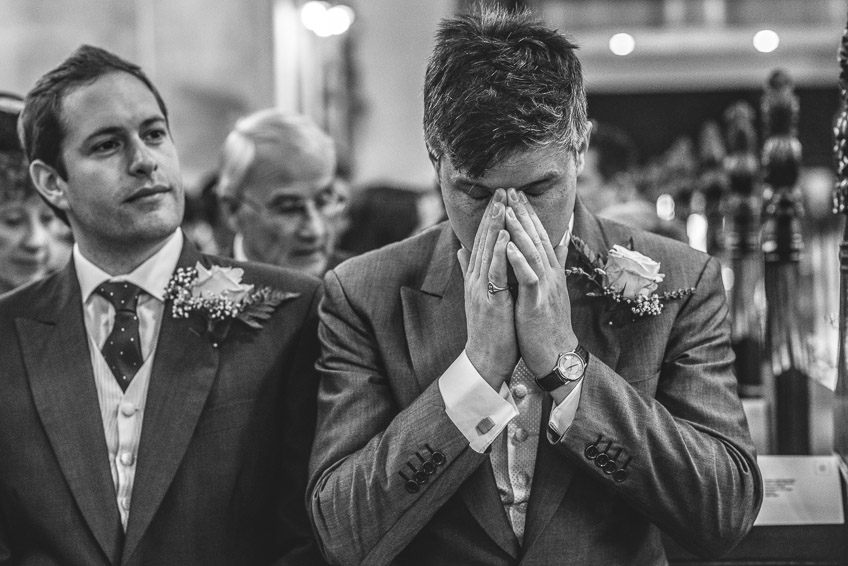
[{"x": 570, "y": 367}]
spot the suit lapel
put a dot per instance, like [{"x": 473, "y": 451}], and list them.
[
  {"x": 553, "y": 472},
  {"x": 183, "y": 372},
  {"x": 434, "y": 315},
  {"x": 58, "y": 363},
  {"x": 434, "y": 320}
]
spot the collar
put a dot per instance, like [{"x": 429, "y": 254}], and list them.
[
  {"x": 566, "y": 238},
  {"x": 238, "y": 248},
  {"x": 152, "y": 275}
]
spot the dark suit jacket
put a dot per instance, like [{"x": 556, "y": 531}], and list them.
[
  {"x": 659, "y": 393},
  {"x": 222, "y": 458}
]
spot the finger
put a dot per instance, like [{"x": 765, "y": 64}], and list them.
[
  {"x": 547, "y": 247},
  {"x": 496, "y": 224},
  {"x": 480, "y": 237},
  {"x": 464, "y": 256},
  {"x": 518, "y": 201},
  {"x": 524, "y": 274},
  {"x": 497, "y": 270},
  {"x": 524, "y": 244}
]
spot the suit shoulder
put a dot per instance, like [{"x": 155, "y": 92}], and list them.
[
  {"x": 271, "y": 275},
  {"x": 29, "y": 298},
  {"x": 404, "y": 261}
]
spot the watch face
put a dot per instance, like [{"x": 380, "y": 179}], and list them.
[{"x": 570, "y": 366}]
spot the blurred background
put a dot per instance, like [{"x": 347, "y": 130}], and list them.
[{"x": 675, "y": 87}]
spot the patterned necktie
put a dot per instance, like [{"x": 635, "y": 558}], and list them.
[
  {"x": 514, "y": 453},
  {"x": 122, "y": 350}
]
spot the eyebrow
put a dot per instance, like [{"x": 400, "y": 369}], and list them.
[
  {"x": 550, "y": 175},
  {"x": 111, "y": 130}
]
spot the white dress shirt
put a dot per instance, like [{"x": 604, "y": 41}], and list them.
[{"x": 122, "y": 412}]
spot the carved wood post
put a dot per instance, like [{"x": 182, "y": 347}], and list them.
[
  {"x": 840, "y": 204},
  {"x": 782, "y": 244}
]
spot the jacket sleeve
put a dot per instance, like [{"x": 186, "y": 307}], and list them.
[
  {"x": 684, "y": 457},
  {"x": 370, "y": 490}
]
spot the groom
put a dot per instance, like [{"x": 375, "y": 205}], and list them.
[
  {"x": 479, "y": 407},
  {"x": 140, "y": 425}
]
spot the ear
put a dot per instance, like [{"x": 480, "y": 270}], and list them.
[
  {"x": 436, "y": 163},
  {"x": 580, "y": 152},
  {"x": 230, "y": 209},
  {"x": 52, "y": 187}
]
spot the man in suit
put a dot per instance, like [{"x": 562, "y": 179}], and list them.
[
  {"x": 143, "y": 422},
  {"x": 280, "y": 193},
  {"x": 479, "y": 406}
]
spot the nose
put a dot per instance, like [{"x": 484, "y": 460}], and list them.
[
  {"x": 142, "y": 161},
  {"x": 313, "y": 225}
]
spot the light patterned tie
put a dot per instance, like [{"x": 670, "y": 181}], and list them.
[
  {"x": 122, "y": 349},
  {"x": 514, "y": 452}
]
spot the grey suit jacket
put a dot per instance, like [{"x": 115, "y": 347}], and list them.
[
  {"x": 225, "y": 440},
  {"x": 659, "y": 392}
]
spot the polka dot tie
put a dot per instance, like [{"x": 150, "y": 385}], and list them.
[{"x": 122, "y": 350}]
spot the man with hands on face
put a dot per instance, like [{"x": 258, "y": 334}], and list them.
[{"x": 477, "y": 405}]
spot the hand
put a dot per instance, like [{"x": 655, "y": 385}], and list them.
[
  {"x": 542, "y": 311},
  {"x": 492, "y": 347}
]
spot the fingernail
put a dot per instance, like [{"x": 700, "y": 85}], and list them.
[
  {"x": 510, "y": 247},
  {"x": 523, "y": 197},
  {"x": 499, "y": 195},
  {"x": 503, "y": 235},
  {"x": 513, "y": 197},
  {"x": 510, "y": 213},
  {"x": 496, "y": 210}
]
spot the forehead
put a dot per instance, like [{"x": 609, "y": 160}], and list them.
[
  {"x": 520, "y": 168},
  {"x": 267, "y": 177},
  {"x": 113, "y": 100}
]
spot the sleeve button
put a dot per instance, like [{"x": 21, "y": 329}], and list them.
[
  {"x": 610, "y": 467},
  {"x": 601, "y": 460},
  {"x": 429, "y": 468},
  {"x": 438, "y": 458},
  {"x": 420, "y": 477},
  {"x": 619, "y": 475},
  {"x": 412, "y": 487},
  {"x": 591, "y": 452}
]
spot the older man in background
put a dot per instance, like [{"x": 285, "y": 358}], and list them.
[{"x": 279, "y": 191}]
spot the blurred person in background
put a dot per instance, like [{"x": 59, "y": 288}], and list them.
[
  {"x": 279, "y": 192},
  {"x": 606, "y": 178},
  {"x": 383, "y": 213},
  {"x": 28, "y": 228},
  {"x": 202, "y": 222}
]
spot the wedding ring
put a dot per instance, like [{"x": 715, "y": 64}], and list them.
[{"x": 494, "y": 289}]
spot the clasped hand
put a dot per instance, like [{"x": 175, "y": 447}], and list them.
[{"x": 536, "y": 323}]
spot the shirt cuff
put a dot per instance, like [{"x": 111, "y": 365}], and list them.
[
  {"x": 478, "y": 411},
  {"x": 562, "y": 415}
]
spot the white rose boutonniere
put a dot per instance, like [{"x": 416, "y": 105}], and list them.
[
  {"x": 624, "y": 276},
  {"x": 219, "y": 297},
  {"x": 222, "y": 281},
  {"x": 630, "y": 273}
]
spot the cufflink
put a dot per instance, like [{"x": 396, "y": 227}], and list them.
[{"x": 485, "y": 426}]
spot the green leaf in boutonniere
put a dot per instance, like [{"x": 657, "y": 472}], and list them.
[
  {"x": 219, "y": 297},
  {"x": 625, "y": 277}
]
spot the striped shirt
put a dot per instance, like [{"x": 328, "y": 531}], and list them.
[{"x": 122, "y": 412}]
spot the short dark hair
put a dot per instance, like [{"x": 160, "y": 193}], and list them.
[
  {"x": 500, "y": 82},
  {"x": 41, "y": 125}
]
